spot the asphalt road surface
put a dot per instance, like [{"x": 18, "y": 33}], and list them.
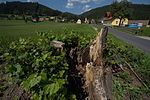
[{"x": 142, "y": 44}]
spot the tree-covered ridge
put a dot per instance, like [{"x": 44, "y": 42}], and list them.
[
  {"x": 96, "y": 13},
  {"x": 27, "y": 8},
  {"x": 31, "y": 8},
  {"x": 140, "y": 11}
]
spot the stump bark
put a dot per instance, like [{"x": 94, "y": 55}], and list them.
[{"x": 98, "y": 77}]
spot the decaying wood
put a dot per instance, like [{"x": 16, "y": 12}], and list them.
[
  {"x": 98, "y": 78},
  {"x": 58, "y": 44}
]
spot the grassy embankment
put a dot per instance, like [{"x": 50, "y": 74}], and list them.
[
  {"x": 145, "y": 31},
  {"x": 118, "y": 52}
]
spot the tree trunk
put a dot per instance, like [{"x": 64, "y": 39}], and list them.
[
  {"x": 120, "y": 21},
  {"x": 98, "y": 77}
]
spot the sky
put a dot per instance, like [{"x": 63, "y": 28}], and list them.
[{"x": 77, "y": 6}]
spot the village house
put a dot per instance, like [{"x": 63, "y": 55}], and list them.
[
  {"x": 110, "y": 21},
  {"x": 92, "y": 21},
  {"x": 86, "y": 21},
  {"x": 139, "y": 22},
  {"x": 79, "y": 21},
  {"x": 52, "y": 18}
]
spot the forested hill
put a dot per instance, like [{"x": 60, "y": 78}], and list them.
[
  {"x": 139, "y": 11},
  {"x": 30, "y": 8}
]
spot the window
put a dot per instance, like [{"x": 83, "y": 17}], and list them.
[{"x": 116, "y": 22}]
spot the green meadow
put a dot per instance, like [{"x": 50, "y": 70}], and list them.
[{"x": 12, "y": 30}]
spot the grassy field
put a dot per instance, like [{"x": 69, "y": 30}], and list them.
[
  {"x": 11, "y": 30},
  {"x": 145, "y": 31}
]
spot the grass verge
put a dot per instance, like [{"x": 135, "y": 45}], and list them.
[
  {"x": 145, "y": 31},
  {"x": 116, "y": 54}
]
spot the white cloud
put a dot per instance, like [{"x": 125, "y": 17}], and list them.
[
  {"x": 121, "y": 0},
  {"x": 97, "y": 1},
  {"x": 118, "y": 0},
  {"x": 70, "y": 5},
  {"x": 80, "y": 1},
  {"x": 32, "y": 0},
  {"x": 86, "y": 8},
  {"x": 84, "y": 3},
  {"x": 29, "y": 0}
]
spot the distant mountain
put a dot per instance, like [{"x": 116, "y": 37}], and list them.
[
  {"x": 30, "y": 8},
  {"x": 140, "y": 11},
  {"x": 27, "y": 8},
  {"x": 69, "y": 16},
  {"x": 96, "y": 13}
]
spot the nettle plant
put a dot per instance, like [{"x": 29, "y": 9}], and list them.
[{"x": 38, "y": 67}]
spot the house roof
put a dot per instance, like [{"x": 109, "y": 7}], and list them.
[{"x": 107, "y": 18}]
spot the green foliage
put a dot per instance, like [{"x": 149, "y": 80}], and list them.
[
  {"x": 123, "y": 88},
  {"x": 38, "y": 67},
  {"x": 119, "y": 89},
  {"x": 118, "y": 52}
]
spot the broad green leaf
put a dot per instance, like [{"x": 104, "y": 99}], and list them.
[
  {"x": 26, "y": 85},
  {"x": 43, "y": 76},
  {"x": 35, "y": 81},
  {"x": 5, "y": 54},
  {"x": 51, "y": 89},
  {"x": 40, "y": 95},
  {"x": 19, "y": 69},
  {"x": 32, "y": 76},
  {"x": 37, "y": 61},
  {"x": 46, "y": 55},
  {"x": 61, "y": 73},
  {"x": 73, "y": 97},
  {"x": 31, "y": 82},
  {"x": 35, "y": 97},
  {"x": 9, "y": 68}
]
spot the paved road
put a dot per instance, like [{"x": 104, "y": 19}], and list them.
[{"x": 143, "y": 44}]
